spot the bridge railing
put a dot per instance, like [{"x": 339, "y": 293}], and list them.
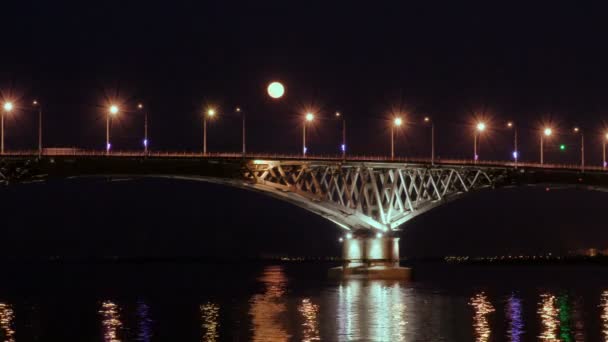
[{"x": 276, "y": 156}]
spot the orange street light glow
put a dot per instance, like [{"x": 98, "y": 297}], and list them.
[
  {"x": 481, "y": 126},
  {"x": 113, "y": 109},
  {"x": 548, "y": 131},
  {"x": 8, "y": 106},
  {"x": 509, "y": 124},
  {"x": 309, "y": 116},
  {"x": 398, "y": 121},
  {"x": 211, "y": 112}
]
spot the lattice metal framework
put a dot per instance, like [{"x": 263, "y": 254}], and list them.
[{"x": 367, "y": 195}]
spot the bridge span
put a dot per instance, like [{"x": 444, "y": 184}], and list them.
[{"x": 368, "y": 197}]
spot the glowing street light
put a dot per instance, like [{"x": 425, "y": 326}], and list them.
[
  {"x": 547, "y": 132},
  {"x": 112, "y": 111},
  {"x": 210, "y": 113},
  {"x": 479, "y": 128},
  {"x": 8, "y": 107},
  {"x": 276, "y": 90},
  {"x": 308, "y": 118},
  {"x": 397, "y": 122}
]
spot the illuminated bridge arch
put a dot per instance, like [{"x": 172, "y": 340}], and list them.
[{"x": 355, "y": 195}]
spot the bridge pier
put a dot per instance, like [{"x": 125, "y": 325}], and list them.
[{"x": 370, "y": 256}]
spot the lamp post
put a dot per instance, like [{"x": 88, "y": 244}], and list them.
[
  {"x": 343, "y": 146},
  {"x": 112, "y": 111},
  {"x": 37, "y": 104},
  {"x": 428, "y": 120},
  {"x": 140, "y": 106},
  {"x": 546, "y": 133},
  {"x": 604, "y": 151},
  {"x": 515, "y": 151},
  {"x": 238, "y": 110},
  {"x": 481, "y": 126},
  {"x": 210, "y": 113},
  {"x": 8, "y": 106},
  {"x": 578, "y": 130},
  {"x": 308, "y": 118},
  {"x": 397, "y": 122}
]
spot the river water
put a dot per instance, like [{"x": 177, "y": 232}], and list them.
[{"x": 296, "y": 302}]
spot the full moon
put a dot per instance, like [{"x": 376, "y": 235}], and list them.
[{"x": 276, "y": 90}]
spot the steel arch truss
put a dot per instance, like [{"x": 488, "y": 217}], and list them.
[{"x": 367, "y": 195}]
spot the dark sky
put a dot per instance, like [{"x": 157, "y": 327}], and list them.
[{"x": 527, "y": 63}]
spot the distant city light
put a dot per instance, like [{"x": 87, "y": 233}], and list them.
[
  {"x": 427, "y": 119},
  {"x": 515, "y": 155},
  {"x": 338, "y": 114},
  {"x": 343, "y": 147},
  {"x": 108, "y": 146},
  {"x": 305, "y": 149},
  {"x": 146, "y": 142},
  {"x": 576, "y": 129},
  {"x": 8, "y": 106},
  {"x": 509, "y": 124},
  {"x": 476, "y": 157},
  {"x": 276, "y": 90},
  {"x": 140, "y": 106}
]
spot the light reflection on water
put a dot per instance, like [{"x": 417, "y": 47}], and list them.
[
  {"x": 482, "y": 308},
  {"x": 514, "y": 316},
  {"x": 310, "y": 312},
  {"x": 549, "y": 315},
  {"x": 110, "y": 321},
  {"x": 268, "y": 309},
  {"x": 210, "y": 313},
  {"x": 604, "y": 314},
  {"x": 144, "y": 322},
  {"x": 7, "y": 316}
]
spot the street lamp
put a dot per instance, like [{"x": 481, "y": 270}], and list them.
[
  {"x": 479, "y": 128},
  {"x": 37, "y": 104},
  {"x": 210, "y": 113},
  {"x": 238, "y": 110},
  {"x": 515, "y": 151},
  {"x": 112, "y": 111},
  {"x": 546, "y": 133},
  {"x": 604, "y": 151},
  {"x": 140, "y": 106},
  {"x": 8, "y": 106},
  {"x": 428, "y": 120},
  {"x": 397, "y": 122},
  {"x": 343, "y": 146},
  {"x": 308, "y": 118},
  {"x": 578, "y": 130}
]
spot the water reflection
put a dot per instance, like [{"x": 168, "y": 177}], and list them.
[
  {"x": 379, "y": 304},
  {"x": 268, "y": 309},
  {"x": 6, "y": 322},
  {"x": 604, "y": 314},
  {"x": 144, "y": 331},
  {"x": 210, "y": 313},
  {"x": 110, "y": 321},
  {"x": 514, "y": 316},
  {"x": 549, "y": 316},
  {"x": 310, "y": 312},
  {"x": 482, "y": 307}
]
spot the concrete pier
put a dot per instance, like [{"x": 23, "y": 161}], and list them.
[{"x": 369, "y": 256}]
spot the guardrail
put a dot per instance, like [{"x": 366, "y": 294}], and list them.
[{"x": 362, "y": 158}]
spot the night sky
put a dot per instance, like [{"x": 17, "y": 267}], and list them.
[{"x": 531, "y": 64}]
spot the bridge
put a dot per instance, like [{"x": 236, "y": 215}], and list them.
[{"x": 368, "y": 197}]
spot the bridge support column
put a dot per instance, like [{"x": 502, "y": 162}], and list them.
[{"x": 367, "y": 256}]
